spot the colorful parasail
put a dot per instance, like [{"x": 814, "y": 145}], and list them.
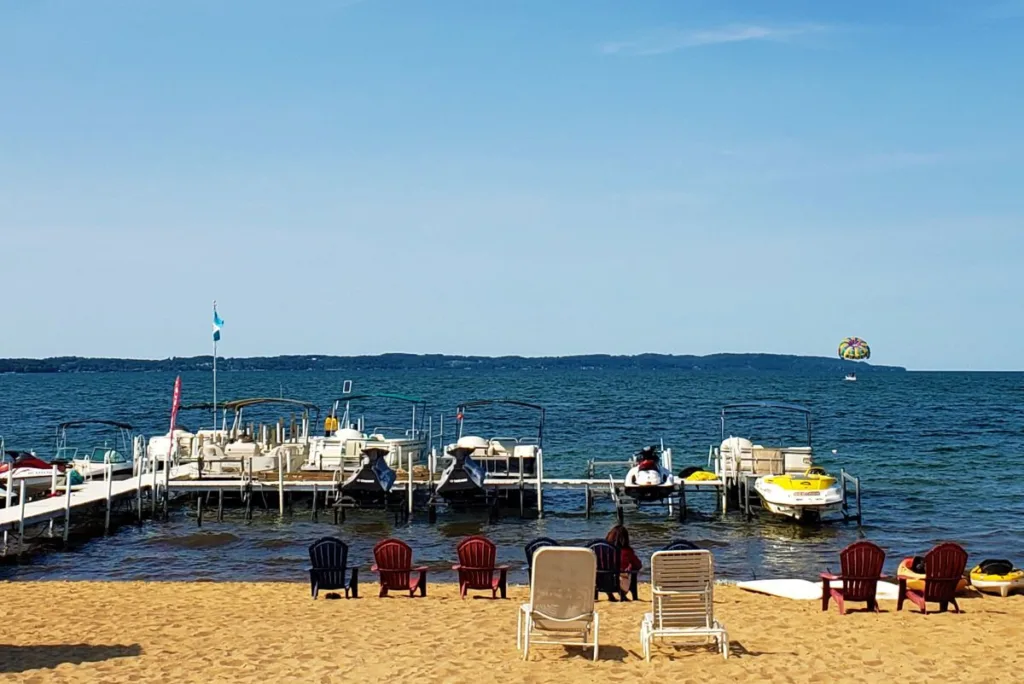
[{"x": 854, "y": 349}]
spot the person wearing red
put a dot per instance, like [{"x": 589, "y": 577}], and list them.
[{"x": 628, "y": 561}]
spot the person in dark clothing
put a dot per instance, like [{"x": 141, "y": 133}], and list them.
[{"x": 628, "y": 560}]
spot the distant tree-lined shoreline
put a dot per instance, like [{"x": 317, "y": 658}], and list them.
[{"x": 318, "y": 362}]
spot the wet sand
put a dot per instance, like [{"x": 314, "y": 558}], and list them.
[{"x": 201, "y": 632}]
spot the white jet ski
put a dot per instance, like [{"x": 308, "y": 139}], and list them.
[{"x": 649, "y": 480}]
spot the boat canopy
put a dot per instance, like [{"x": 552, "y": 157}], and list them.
[
  {"x": 239, "y": 404},
  {"x": 770, "y": 406},
  {"x": 475, "y": 403},
  {"x": 94, "y": 421},
  {"x": 383, "y": 395}
]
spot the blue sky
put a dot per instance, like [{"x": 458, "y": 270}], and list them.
[{"x": 502, "y": 177}]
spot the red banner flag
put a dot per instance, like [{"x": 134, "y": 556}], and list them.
[{"x": 175, "y": 403}]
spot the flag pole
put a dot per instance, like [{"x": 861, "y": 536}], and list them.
[{"x": 215, "y": 370}]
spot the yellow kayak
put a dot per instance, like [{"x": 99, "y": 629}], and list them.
[{"x": 997, "y": 584}]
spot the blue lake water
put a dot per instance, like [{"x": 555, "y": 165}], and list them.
[{"x": 939, "y": 455}]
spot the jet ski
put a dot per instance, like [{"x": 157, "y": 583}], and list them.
[
  {"x": 373, "y": 481},
  {"x": 463, "y": 480},
  {"x": 812, "y": 494},
  {"x": 648, "y": 480}
]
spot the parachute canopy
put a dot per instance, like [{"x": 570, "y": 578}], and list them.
[{"x": 854, "y": 349}]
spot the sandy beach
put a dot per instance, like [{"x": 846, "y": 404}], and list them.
[{"x": 199, "y": 632}]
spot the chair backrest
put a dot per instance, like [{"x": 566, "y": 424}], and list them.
[
  {"x": 535, "y": 545},
  {"x": 394, "y": 561},
  {"x": 682, "y": 589},
  {"x": 609, "y": 558},
  {"x": 562, "y": 585},
  {"x": 861, "y": 563},
  {"x": 328, "y": 553},
  {"x": 943, "y": 569},
  {"x": 476, "y": 556},
  {"x": 681, "y": 545}
]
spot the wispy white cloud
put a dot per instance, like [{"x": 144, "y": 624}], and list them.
[{"x": 664, "y": 41}]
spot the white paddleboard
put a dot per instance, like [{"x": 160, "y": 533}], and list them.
[{"x": 802, "y": 590}]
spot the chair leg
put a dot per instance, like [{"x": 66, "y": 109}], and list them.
[
  {"x": 826, "y": 594},
  {"x": 596, "y": 638},
  {"x": 956, "y": 606},
  {"x": 840, "y": 603}
]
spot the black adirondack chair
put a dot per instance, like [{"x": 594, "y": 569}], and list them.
[
  {"x": 681, "y": 545},
  {"x": 531, "y": 548},
  {"x": 328, "y": 559},
  {"x": 609, "y": 558}
]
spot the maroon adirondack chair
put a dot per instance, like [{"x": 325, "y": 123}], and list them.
[
  {"x": 861, "y": 564},
  {"x": 476, "y": 567},
  {"x": 393, "y": 561},
  {"x": 943, "y": 569}
]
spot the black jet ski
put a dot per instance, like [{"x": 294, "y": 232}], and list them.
[
  {"x": 373, "y": 481},
  {"x": 648, "y": 480},
  {"x": 463, "y": 480}
]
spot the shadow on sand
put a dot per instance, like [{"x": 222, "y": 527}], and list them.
[{"x": 22, "y": 658}]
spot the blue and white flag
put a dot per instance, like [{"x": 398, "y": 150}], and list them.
[{"x": 218, "y": 322}]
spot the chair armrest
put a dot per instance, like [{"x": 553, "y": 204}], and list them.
[
  {"x": 456, "y": 567},
  {"x": 502, "y": 568},
  {"x": 830, "y": 576},
  {"x": 422, "y": 568},
  {"x": 373, "y": 568}
]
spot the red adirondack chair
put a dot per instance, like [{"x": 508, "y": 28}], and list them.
[
  {"x": 476, "y": 567},
  {"x": 393, "y": 561},
  {"x": 861, "y": 564},
  {"x": 943, "y": 569}
]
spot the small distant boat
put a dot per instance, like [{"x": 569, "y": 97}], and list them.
[
  {"x": 851, "y": 377},
  {"x": 649, "y": 480},
  {"x": 813, "y": 494}
]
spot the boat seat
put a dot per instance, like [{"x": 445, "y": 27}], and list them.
[
  {"x": 525, "y": 450},
  {"x": 767, "y": 461}
]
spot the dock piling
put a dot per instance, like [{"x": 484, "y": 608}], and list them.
[
  {"x": 312, "y": 513},
  {"x": 21, "y": 514},
  {"x": 220, "y": 505},
  {"x": 110, "y": 498},
  {"x": 280, "y": 484},
  {"x": 199, "y": 511},
  {"x": 67, "y": 505}
]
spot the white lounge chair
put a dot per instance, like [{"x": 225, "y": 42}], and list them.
[
  {"x": 682, "y": 598},
  {"x": 561, "y": 607}
]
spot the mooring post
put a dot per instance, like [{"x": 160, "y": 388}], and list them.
[
  {"x": 21, "y": 514},
  {"x": 153, "y": 488},
  {"x": 280, "y": 485},
  {"x": 220, "y": 505},
  {"x": 856, "y": 484},
  {"x": 67, "y": 504},
  {"x": 410, "y": 480},
  {"x": 312, "y": 513},
  {"x": 110, "y": 497},
  {"x": 167, "y": 493},
  {"x": 539, "y": 465},
  {"x": 138, "y": 492},
  {"x": 199, "y": 510}
]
